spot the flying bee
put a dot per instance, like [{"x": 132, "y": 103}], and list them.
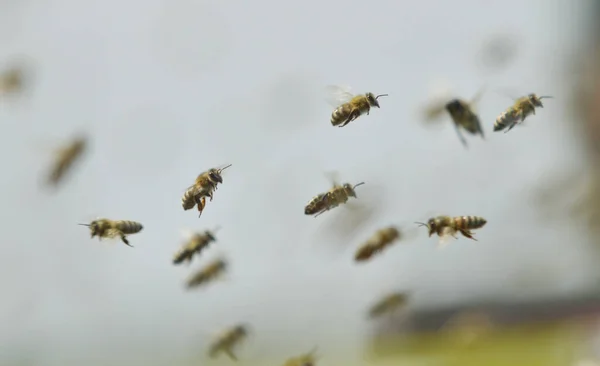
[
  {"x": 377, "y": 243},
  {"x": 65, "y": 158},
  {"x": 521, "y": 109},
  {"x": 388, "y": 304},
  {"x": 194, "y": 246},
  {"x": 447, "y": 226},
  {"x": 12, "y": 80},
  {"x": 204, "y": 186},
  {"x": 307, "y": 359},
  {"x": 105, "y": 228},
  {"x": 348, "y": 106},
  {"x": 337, "y": 195},
  {"x": 227, "y": 342},
  {"x": 208, "y": 273},
  {"x": 462, "y": 112}
]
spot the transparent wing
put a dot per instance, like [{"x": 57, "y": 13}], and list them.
[
  {"x": 337, "y": 95},
  {"x": 477, "y": 96},
  {"x": 112, "y": 233},
  {"x": 433, "y": 110},
  {"x": 446, "y": 236},
  {"x": 333, "y": 176}
]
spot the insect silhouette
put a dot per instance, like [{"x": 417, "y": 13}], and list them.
[
  {"x": 337, "y": 195},
  {"x": 227, "y": 342},
  {"x": 208, "y": 273},
  {"x": 196, "y": 243},
  {"x": 388, "y": 304},
  {"x": 461, "y": 112},
  {"x": 348, "y": 107},
  {"x": 447, "y": 226},
  {"x": 204, "y": 186},
  {"x": 377, "y": 243},
  {"x": 66, "y": 157},
  {"x": 307, "y": 359},
  {"x": 521, "y": 109},
  {"x": 110, "y": 229}
]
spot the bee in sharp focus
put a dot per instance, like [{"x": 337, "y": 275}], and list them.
[
  {"x": 307, "y": 359},
  {"x": 110, "y": 229},
  {"x": 521, "y": 109},
  {"x": 66, "y": 157},
  {"x": 227, "y": 342},
  {"x": 377, "y": 243},
  {"x": 348, "y": 106},
  {"x": 447, "y": 226},
  {"x": 194, "y": 246},
  {"x": 462, "y": 113},
  {"x": 208, "y": 273},
  {"x": 388, "y": 304},
  {"x": 337, "y": 195},
  {"x": 204, "y": 186}
]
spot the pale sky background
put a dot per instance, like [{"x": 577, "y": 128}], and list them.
[{"x": 167, "y": 89}]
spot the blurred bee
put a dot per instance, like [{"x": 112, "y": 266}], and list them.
[
  {"x": 446, "y": 226},
  {"x": 348, "y": 106},
  {"x": 388, "y": 304},
  {"x": 517, "y": 113},
  {"x": 11, "y": 80},
  {"x": 66, "y": 157},
  {"x": 105, "y": 228},
  {"x": 462, "y": 113},
  {"x": 307, "y": 359},
  {"x": 204, "y": 186},
  {"x": 208, "y": 273},
  {"x": 196, "y": 243},
  {"x": 377, "y": 243},
  {"x": 227, "y": 341},
  {"x": 337, "y": 195}
]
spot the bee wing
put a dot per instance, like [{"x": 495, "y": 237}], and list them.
[
  {"x": 337, "y": 95},
  {"x": 112, "y": 233},
  {"x": 477, "y": 97},
  {"x": 332, "y": 176},
  {"x": 446, "y": 236},
  {"x": 434, "y": 110}
]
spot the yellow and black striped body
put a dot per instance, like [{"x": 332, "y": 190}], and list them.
[
  {"x": 105, "y": 228},
  {"x": 447, "y": 225},
  {"x": 380, "y": 240},
  {"x": 523, "y": 108},
  {"x": 326, "y": 201},
  {"x": 463, "y": 115},
  {"x": 208, "y": 273},
  {"x": 388, "y": 304},
  {"x": 350, "y": 111},
  {"x": 65, "y": 160}
]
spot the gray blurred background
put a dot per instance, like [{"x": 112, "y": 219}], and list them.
[{"x": 167, "y": 89}]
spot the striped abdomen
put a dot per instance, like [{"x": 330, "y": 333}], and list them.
[
  {"x": 469, "y": 222},
  {"x": 188, "y": 200},
  {"x": 507, "y": 118},
  {"x": 317, "y": 204},
  {"x": 341, "y": 114},
  {"x": 128, "y": 227}
]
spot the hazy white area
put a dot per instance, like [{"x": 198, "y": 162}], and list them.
[{"x": 167, "y": 89}]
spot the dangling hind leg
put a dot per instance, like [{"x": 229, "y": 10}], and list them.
[{"x": 467, "y": 234}]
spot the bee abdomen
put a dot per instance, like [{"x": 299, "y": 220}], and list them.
[
  {"x": 503, "y": 120},
  {"x": 187, "y": 201},
  {"x": 469, "y": 222},
  {"x": 129, "y": 227},
  {"x": 340, "y": 114}
]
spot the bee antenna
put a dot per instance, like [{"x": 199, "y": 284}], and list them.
[
  {"x": 217, "y": 228},
  {"x": 422, "y": 224},
  {"x": 359, "y": 184},
  {"x": 220, "y": 170},
  {"x": 381, "y": 95},
  {"x": 546, "y": 97},
  {"x": 88, "y": 225}
]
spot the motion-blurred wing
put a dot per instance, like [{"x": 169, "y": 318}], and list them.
[
  {"x": 337, "y": 95},
  {"x": 434, "y": 110},
  {"x": 446, "y": 236}
]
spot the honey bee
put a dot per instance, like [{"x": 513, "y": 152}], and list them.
[
  {"x": 11, "y": 80},
  {"x": 204, "y": 186},
  {"x": 377, "y": 243},
  {"x": 227, "y": 341},
  {"x": 348, "y": 106},
  {"x": 208, "y": 273},
  {"x": 66, "y": 157},
  {"x": 446, "y": 226},
  {"x": 196, "y": 243},
  {"x": 307, "y": 359},
  {"x": 337, "y": 195},
  {"x": 388, "y": 304},
  {"x": 462, "y": 113},
  {"x": 105, "y": 228},
  {"x": 521, "y": 109}
]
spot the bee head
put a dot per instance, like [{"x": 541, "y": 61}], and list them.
[
  {"x": 454, "y": 105},
  {"x": 537, "y": 101},
  {"x": 350, "y": 189},
  {"x": 372, "y": 99},
  {"x": 431, "y": 226},
  {"x": 210, "y": 235},
  {"x": 215, "y": 176},
  {"x": 240, "y": 330}
]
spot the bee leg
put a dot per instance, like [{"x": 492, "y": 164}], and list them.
[
  {"x": 467, "y": 234},
  {"x": 511, "y": 127},
  {"x": 460, "y": 136},
  {"x": 124, "y": 239}
]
